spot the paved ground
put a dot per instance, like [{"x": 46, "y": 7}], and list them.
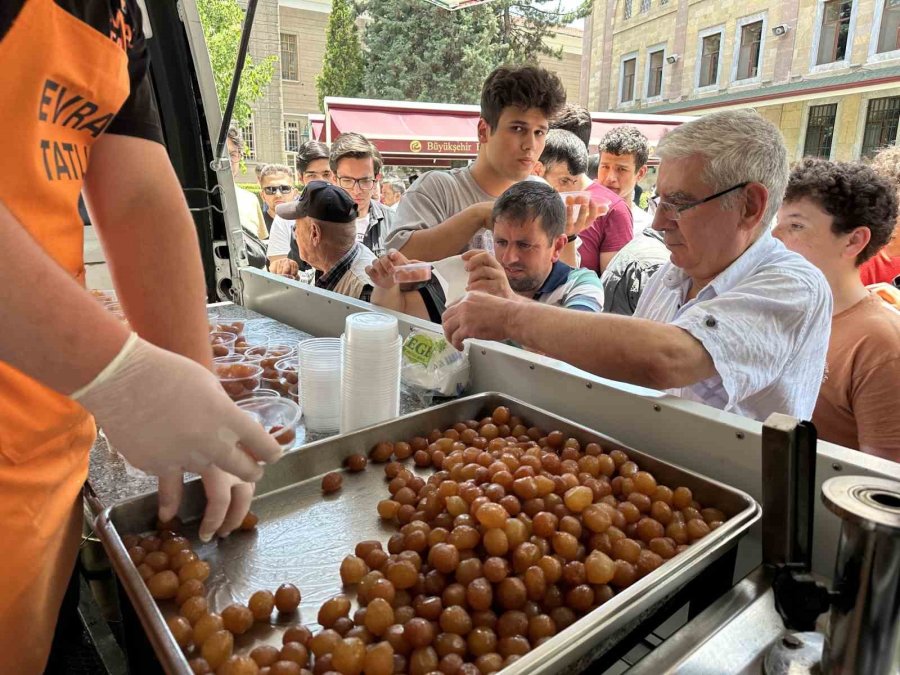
[{"x": 94, "y": 262}]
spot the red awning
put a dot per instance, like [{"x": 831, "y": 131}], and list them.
[
  {"x": 431, "y": 134},
  {"x": 412, "y": 131},
  {"x": 317, "y": 128}
]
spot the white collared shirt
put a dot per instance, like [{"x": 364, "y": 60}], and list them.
[{"x": 765, "y": 321}]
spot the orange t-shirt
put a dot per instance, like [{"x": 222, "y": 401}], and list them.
[{"x": 857, "y": 405}]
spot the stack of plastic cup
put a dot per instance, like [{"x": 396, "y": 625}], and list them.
[
  {"x": 320, "y": 383},
  {"x": 370, "y": 388}
]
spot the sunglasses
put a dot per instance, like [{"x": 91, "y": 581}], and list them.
[{"x": 275, "y": 189}]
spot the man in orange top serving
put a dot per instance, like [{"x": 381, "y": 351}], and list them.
[{"x": 76, "y": 95}]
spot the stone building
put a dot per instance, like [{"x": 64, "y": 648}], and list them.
[
  {"x": 827, "y": 72},
  {"x": 294, "y": 30}
]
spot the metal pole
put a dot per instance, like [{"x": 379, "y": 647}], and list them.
[{"x": 235, "y": 81}]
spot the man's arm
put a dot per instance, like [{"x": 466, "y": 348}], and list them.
[
  {"x": 387, "y": 294},
  {"x": 450, "y": 237},
  {"x": 604, "y": 259},
  {"x": 53, "y": 330},
  {"x": 639, "y": 351},
  {"x": 150, "y": 243}
]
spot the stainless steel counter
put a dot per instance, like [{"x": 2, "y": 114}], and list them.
[{"x": 112, "y": 480}]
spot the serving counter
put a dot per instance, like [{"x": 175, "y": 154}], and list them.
[{"x": 742, "y": 454}]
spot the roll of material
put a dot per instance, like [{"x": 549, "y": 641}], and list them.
[{"x": 864, "y": 628}]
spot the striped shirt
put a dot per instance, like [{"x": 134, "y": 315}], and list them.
[{"x": 571, "y": 288}]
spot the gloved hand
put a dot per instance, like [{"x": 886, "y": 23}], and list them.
[
  {"x": 168, "y": 414},
  {"x": 227, "y": 500}
]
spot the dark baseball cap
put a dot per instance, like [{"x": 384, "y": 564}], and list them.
[{"x": 323, "y": 201}]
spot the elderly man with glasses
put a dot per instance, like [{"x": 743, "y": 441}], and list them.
[{"x": 733, "y": 320}]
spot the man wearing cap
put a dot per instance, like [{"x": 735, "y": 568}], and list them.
[{"x": 325, "y": 231}]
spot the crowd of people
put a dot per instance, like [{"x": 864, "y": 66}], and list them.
[{"x": 743, "y": 286}]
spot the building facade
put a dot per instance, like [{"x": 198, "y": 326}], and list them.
[{"x": 826, "y": 72}]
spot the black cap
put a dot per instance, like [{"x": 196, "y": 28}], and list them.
[{"x": 323, "y": 201}]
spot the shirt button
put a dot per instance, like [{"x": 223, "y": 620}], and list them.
[{"x": 710, "y": 322}]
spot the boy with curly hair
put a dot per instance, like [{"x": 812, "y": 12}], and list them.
[{"x": 837, "y": 215}]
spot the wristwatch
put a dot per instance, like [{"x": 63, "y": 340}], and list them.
[{"x": 571, "y": 238}]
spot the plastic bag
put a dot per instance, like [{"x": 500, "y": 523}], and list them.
[{"x": 433, "y": 368}]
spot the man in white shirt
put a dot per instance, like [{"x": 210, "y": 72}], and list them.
[
  {"x": 624, "y": 152},
  {"x": 734, "y": 320}
]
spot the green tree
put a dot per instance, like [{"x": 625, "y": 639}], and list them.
[
  {"x": 417, "y": 51},
  {"x": 222, "y": 22},
  {"x": 525, "y": 26},
  {"x": 342, "y": 69}
]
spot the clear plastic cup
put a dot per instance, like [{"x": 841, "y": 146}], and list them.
[
  {"x": 370, "y": 328},
  {"x": 230, "y": 358},
  {"x": 288, "y": 369},
  {"x": 238, "y": 379},
  {"x": 412, "y": 273},
  {"x": 233, "y": 326},
  {"x": 279, "y": 416},
  {"x": 575, "y": 200},
  {"x": 222, "y": 343},
  {"x": 320, "y": 383}
]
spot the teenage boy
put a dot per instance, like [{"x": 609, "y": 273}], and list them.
[
  {"x": 444, "y": 212},
  {"x": 623, "y": 164},
  {"x": 837, "y": 215}
]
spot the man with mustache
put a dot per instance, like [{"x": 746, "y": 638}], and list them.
[
  {"x": 734, "y": 320},
  {"x": 529, "y": 222}
]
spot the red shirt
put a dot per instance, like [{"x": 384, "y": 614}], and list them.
[
  {"x": 881, "y": 268},
  {"x": 609, "y": 232}
]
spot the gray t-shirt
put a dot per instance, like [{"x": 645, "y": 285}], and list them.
[
  {"x": 432, "y": 199},
  {"x": 631, "y": 269}
]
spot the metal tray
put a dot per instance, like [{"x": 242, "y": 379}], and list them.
[{"x": 303, "y": 536}]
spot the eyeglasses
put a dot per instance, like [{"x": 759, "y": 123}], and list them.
[
  {"x": 275, "y": 189},
  {"x": 674, "y": 211},
  {"x": 364, "y": 184}
]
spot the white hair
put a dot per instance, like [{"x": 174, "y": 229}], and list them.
[{"x": 738, "y": 146}]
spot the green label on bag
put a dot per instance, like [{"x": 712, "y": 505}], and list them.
[{"x": 421, "y": 348}]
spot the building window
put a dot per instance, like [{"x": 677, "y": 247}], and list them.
[
  {"x": 889, "y": 35},
  {"x": 820, "y": 131},
  {"x": 249, "y": 141},
  {"x": 881, "y": 124},
  {"x": 709, "y": 60},
  {"x": 835, "y": 31},
  {"x": 291, "y": 136},
  {"x": 748, "y": 57},
  {"x": 629, "y": 67},
  {"x": 627, "y": 10},
  {"x": 655, "y": 74},
  {"x": 289, "y": 66},
  {"x": 645, "y": 6}
]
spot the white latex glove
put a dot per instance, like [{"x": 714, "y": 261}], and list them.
[
  {"x": 168, "y": 414},
  {"x": 227, "y": 500}
]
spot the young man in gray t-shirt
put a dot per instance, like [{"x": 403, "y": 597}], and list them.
[{"x": 444, "y": 212}]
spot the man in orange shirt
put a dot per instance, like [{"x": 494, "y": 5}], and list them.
[
  {"x": 77, "y": 94},
  {"x": 837, "y": 215}
]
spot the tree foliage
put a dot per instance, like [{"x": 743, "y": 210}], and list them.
[
  {"x": 420, "y": 52},
  {"x": 342, "y": 69},
  {"x": 222, "y": 22},
  {"x": 525, "y": 26}
]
